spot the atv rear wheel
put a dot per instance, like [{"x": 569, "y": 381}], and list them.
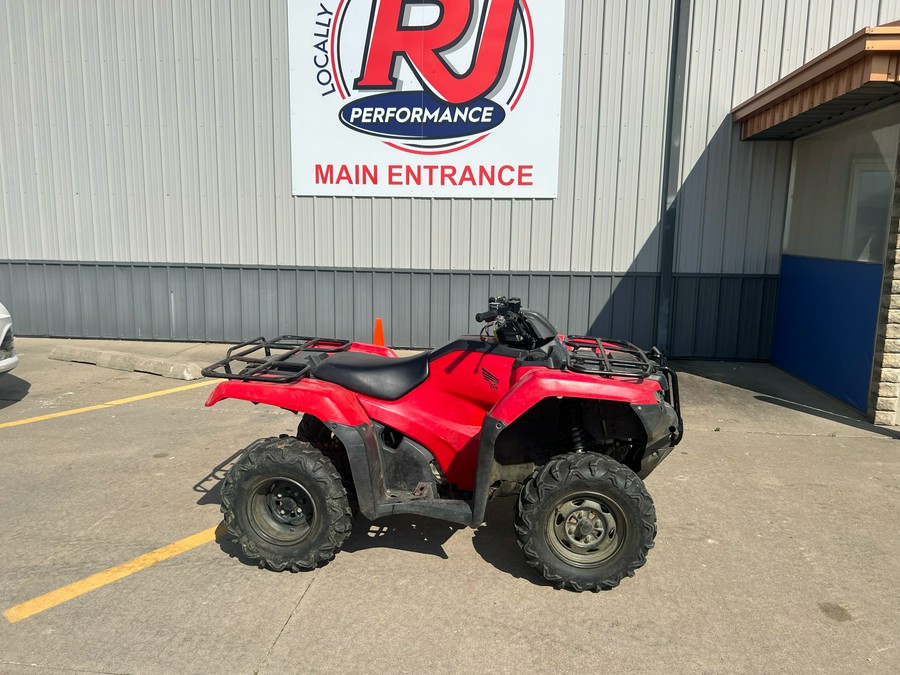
[
  {"x": 585, "y": 521},
  {"x": 284, "y": 502}
]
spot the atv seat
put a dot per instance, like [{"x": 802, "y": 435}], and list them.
[{"x": 380, "y": 377}]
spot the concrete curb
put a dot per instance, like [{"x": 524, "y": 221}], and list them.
[{"x": 132, "y": 362}]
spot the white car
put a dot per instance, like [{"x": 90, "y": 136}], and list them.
[{"x": 8, "y": 357}]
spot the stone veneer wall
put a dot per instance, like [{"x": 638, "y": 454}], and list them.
[{"x": 884, "y": 395}]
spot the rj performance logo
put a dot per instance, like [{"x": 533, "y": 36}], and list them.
[{"x": 428, "y": 76}]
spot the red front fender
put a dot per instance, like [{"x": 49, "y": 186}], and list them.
[
  {"x": 536, "y": 384},
  {"x": 329, "y": 402}
]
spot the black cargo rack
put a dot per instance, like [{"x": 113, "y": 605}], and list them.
[
  {"x": 597, "y": 356},
  {"x": 283, "y": 360}
]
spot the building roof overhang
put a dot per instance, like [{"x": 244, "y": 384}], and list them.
[{"x": 859, "y": 75}]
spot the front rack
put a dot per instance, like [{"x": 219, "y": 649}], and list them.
[
  {"x": 607, "y": 357},
  {"x": 283, "y": 360}
]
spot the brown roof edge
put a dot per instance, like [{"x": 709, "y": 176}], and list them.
[{"x": 867, "y": 41}]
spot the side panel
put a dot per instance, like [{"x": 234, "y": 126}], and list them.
[{"x": 445, "y": 413}]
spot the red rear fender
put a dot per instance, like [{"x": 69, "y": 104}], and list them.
[
  {"x": 536, "y": 384},
  {"x": 366, "y": 348},
  {"x": 327, "y": 401}
]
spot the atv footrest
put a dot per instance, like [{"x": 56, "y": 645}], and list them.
[
  {"x": 452, "y": 510},
  {"x": 283, "y": 360}
]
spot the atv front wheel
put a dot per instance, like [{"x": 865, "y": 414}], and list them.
[
  {"x": 585, "y": 521},
  {"x": 285, "y": 503}
]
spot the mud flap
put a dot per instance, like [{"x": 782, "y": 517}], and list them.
[
  {"x": 365, "y": 464},
  {"x": 490, "y": 430}
]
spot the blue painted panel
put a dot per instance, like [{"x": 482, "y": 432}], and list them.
[{"x": 825, "y": 324}]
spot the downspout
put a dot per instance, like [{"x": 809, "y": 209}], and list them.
[{"x": 671, "y": 178}]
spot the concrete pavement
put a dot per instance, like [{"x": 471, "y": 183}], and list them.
[{"x": 777, "y": 547}]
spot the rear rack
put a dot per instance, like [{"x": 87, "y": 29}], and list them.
[
  {"x": 607, "y": 357},
  {"x": 283, "y": 360}
]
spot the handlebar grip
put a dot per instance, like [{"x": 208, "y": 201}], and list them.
[{"x": 486, "y": 316}]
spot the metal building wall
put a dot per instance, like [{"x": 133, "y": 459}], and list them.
[
  {"x": 155, "y": 133},
  {"x": 733, "y": 194},
  {"x": 144, "y": 157},
  {"x": 229, "y": 303}
]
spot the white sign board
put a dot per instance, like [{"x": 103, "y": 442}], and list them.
[{"x": 426, "y": 98}]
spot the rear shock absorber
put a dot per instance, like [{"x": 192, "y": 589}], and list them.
[{"x": 574, "y": 419}]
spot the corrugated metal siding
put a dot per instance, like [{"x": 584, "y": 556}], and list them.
[
  {"x": 158, "y": 131},
  {"x": 721, "y": 316},
  {"x": 733, "y": 194},
  {"x": 724, "y": 316},
  {"x": 419, "y": 308}
]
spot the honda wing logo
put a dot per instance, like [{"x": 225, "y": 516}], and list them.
[
  {"x": 431, "y": 76},
  {"x": 490, "y": 378}
]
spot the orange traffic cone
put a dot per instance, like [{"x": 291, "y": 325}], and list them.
[{"x": 378, "y": 338}]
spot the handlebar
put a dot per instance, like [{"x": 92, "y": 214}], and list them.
[
  {"x": 486, "y": 316},
  {"x": 507, "y": 323}
]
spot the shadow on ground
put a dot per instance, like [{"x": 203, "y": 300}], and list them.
[
  {"x": 12, "y": 390},
  {"x": 229, "y": 545},
  {"x": 210, "y": 486},
  {"x": 405, "y": 533},
  {"x": 861, "y": 424},
  {"x": 495, "y": 541},
  {"x": 773, "y": 386}
]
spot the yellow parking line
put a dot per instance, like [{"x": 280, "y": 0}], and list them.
[
  {"x": 66, "y": 593},
  {"x": 109, "y": 404}
]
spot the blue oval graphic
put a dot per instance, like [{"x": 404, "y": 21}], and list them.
[{"x": 417, "y": 115}]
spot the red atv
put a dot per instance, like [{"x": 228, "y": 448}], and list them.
[{"x": 570, "y": 424}]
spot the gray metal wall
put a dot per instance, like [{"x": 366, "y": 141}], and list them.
[
  {"x": 158, "y": 131},
  {"x": 228, "y": 303},
  {"x": 144, "y": 157}
]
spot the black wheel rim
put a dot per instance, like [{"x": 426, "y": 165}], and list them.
[
  {"x": 586, "y": 529},
  {"x": 281, "y": 511}
]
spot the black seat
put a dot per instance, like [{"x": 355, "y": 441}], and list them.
[{"x": 376, "y": 376}]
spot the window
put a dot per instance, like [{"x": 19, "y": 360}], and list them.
[{"x": 842, "y": 187}]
